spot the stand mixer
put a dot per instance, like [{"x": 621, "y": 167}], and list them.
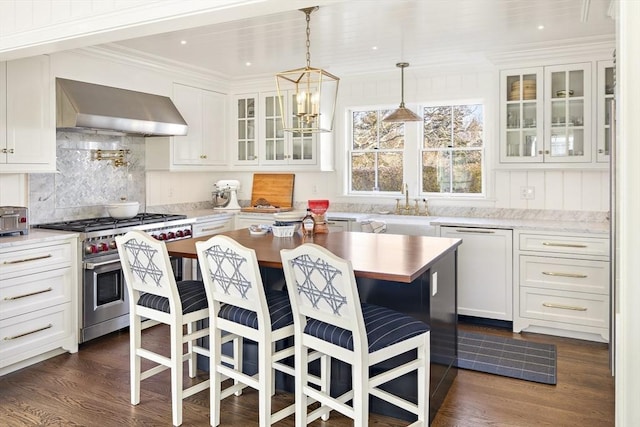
[{"x": 225, "y": 195}]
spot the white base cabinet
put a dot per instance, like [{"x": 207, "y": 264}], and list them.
[
  {"x": 38, "y": 302},
  {"x": 484, "y": 271},
  {"x": 562, "y": 285}
]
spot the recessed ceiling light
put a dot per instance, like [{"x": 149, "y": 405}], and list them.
[
  {"x": 374, "y": 48},
  {"x": 183, "y": 42},
  {"x": 248, "y": 64},
  {"x": 541, "y": 27}
]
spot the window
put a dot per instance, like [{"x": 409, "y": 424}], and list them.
[
  {"x": 377, "y": 152},
  {"x": 444, "y": 154},
  {"x": 452, "y": 149}
]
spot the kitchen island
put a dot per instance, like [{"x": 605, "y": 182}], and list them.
[{"x": 412, "y": 274}]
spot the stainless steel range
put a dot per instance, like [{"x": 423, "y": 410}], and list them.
[{"x": 104, "y": 298}]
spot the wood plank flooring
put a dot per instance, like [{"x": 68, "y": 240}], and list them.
[{"x": 91, "y": 388}]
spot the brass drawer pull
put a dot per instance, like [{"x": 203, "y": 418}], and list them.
[
  {"x": 18, "y": 261},
  {"x": 574, "y": 275},
  {"x": 28, "y": 295},
  {"x": 564, "y": 245},
  {"x": 28, "y": 333},
  {"x": 213, "y": 228},
  {"x": 564, "y": 307},
  {"x": 466, "y": 230}
]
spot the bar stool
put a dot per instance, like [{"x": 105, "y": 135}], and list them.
[
  {"x": 330, "y": 319},
  {"x": 154, "y": 294},
  {"x": 239, "y": 306}
]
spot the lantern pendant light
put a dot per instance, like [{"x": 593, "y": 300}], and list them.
[
  {"x": 312, "y": 94},
  {"x": 402, "y": 114}
]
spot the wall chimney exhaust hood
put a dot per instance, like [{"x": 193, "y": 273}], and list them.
[{"x": 89, "y": 107}]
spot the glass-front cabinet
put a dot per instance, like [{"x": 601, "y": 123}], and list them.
[
  {"x": 521, "y": 115},
  {"x": 280, "y": 147},
  {"x": 568, "y": 112},
  {"x": 246, "y": 128},
  {"x": 605, "y": 97},
  {"x": 545, "y": 114}
]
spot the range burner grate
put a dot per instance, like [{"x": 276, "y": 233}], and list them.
[{"x": 106, "y": 223}]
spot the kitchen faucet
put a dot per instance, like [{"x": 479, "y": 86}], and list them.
[{"x": 408, "y": 209}]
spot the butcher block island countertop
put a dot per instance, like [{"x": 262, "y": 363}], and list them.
[
  {"x": 398, "y": 258},
  {"x": 415, "y": 275}
]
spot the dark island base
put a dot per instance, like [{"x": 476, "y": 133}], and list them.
[{"x": 415, "y": 299}]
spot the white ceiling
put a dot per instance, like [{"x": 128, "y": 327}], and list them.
[{"x": 344, "y": 34}]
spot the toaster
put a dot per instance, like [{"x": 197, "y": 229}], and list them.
[{"x": 14, "y": 219}]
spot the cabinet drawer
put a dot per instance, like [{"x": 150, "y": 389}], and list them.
[
  {"x": 564, "y": 274},
  {"x": 210, "y": 228},
  {"x": 564, "y": 244},
  {"x": 33, "y": 333},
  {"x": 565, "y": 307},
  {"x": 31, "y": 292},
  {"x": 35, "y": 258}
]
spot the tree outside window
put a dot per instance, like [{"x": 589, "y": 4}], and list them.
[
  {"x": 377, "y": 150},
  {"x": 452, "y": 149}
]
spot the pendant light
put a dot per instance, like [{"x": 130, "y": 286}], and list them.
[
  {"x": 402, "y": 114},
  {"x": 311, "y": 92}
]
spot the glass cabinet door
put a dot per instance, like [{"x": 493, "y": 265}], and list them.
[
  {"x": 521, "y": 115},
  {"x": 246, "y": 129},
  {"x": 568, "y": 111},
  {"x": 605, "y": 97},
  {"x": 274, "y": 137}
]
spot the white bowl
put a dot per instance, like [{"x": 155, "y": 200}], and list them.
[{"x": 122, "y": 210}]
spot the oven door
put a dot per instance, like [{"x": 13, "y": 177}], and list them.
[{"x": 105, "y": 295}]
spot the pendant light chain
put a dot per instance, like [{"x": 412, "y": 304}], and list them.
[{"x": 308, "y": 13}]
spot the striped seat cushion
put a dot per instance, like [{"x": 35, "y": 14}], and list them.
[
  {"x": 384, "y": 327},
  {"x": 192, "y": 295},
  {"x": 279, "y": 310}
]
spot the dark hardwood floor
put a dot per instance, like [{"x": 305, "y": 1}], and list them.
[{"x": 91, "y": 388}]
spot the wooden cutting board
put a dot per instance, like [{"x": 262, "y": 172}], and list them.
[{"x": 275, "y": 188}]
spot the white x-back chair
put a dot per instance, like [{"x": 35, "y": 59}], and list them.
[
  {"x": 329, "y": 318},
  {"x": 154, "y": 294},
  {"x": 240, "y": 306}
]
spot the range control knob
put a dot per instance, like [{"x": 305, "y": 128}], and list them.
[
  {"x": 91, "y": 249},
  {"x": 113, "y": 244},
  {"x": 187, "y": 232},
  {"x": 103, "y": 247},
  {"x": 180, "y": 233},
  {"x": 171, "y": 235},
  {"x": 163, "y": 236}
]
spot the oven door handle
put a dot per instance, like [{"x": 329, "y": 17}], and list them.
[{"x": 93, "y": 265}]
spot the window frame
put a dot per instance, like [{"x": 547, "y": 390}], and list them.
[
  {"x": 412, "y": 157},
  {"x": 483, "y": 151}
]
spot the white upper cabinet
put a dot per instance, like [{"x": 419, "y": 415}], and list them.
[
  {"x": 204, "y": 147},
  {"x": 245, "y": 123},
  {"x": 521, "y": 115},
  {"x": 204, "y": 112},
  {"x": 27, "y": 116},
  {"x": 280, "y": 147},
  {"x": 568, "y": 113},
  {"x": 604, "y": 99},
  {"x": 546, "y": 115}
]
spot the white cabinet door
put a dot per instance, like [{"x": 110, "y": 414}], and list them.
[
  {"x": 29, "y": 144},
  {"x": 205, "y": 114},
  {"x": 245, "y": 123},
  {"x": 568, "y": 113},
  {"x": 605, "y": 96},
  {"x": 280, "y": 147},
  {"x": 484, "y": 271}
]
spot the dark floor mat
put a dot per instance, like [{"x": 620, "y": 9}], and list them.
[{"x": 507, "y": 357}]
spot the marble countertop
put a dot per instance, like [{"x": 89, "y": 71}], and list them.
[
  {"x": 35, "y": 236},
  {"x": 505, "y": 223}
]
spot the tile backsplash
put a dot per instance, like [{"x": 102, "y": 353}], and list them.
[{"x": 83, "y": 185}]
